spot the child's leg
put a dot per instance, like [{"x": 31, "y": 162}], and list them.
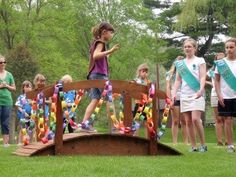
[
  {"x": 219, "y": 126},
  {"x": 196, "y": 117},
  {"x": 70, "y": 129},
  {"x": 226, "y": 139},
  {"x": 175, "y": 124},
  {"x": 89, "y": 110},
  {"x": 190, "y": 128},
  {"x": 5, "y": 139},
  {"x": 229, "y": 129},
  {"x": 184, "y": 129}
]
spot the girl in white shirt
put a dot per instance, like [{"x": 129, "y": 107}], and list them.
[
  {"x": 192, "y": 102},
  {"x": 226, "y": 90},
  {"x": 219, "y": 122}
]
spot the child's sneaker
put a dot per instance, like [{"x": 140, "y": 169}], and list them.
[
  {"x": 6, "y": 145},
  {"x": 194, "y": 149},
  {"x": 203, "y": 148},
  {"x": 87, "y": 128},
  {"x": 230, "y": 148}
]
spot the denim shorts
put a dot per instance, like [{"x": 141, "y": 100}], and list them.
[
  {"x": 5, "y": 113},
  {"x": 95, "y": 93}
]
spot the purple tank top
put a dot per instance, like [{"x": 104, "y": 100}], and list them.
[{"x": 101, "y": 65}]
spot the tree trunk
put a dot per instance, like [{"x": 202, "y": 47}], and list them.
[{"x": 12, "y": 123}]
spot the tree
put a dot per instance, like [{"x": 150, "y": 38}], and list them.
[
  {"x": 207, "y": 18},
  {"x": 202, "y": 20},
  {"x": 22, "y": 66}
]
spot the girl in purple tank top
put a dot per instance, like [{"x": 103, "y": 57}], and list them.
[{"x": 98, "y": 66}]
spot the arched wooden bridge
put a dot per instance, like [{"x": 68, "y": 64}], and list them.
[{"x": 97, "y": 143}]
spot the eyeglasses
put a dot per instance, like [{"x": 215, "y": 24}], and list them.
[{"x": 3, "y": 62}]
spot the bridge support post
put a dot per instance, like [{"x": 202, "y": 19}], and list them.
[
  {"x": 128, "y": 117},
  {"x": 59, "y": 129}
]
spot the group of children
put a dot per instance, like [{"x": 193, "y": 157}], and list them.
[
  {"x": 25, "y": 108},
  {"x": 185, "y": 86}
]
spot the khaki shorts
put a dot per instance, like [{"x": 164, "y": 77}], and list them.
[{"x": 192, "y": 104}]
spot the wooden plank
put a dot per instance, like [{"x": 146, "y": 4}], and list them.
[
  {"x": 26, "y": 151},
  {"x": 21, "y": 154},
  {"x": 38, "y": 145},
  {"x": 73, "y": 135}
]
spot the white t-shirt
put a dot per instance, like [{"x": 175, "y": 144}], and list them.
[
  {"x": 226, "y": 91},
  {"x": 213, "y": 90},
  {"x": 194, "y": 68}
]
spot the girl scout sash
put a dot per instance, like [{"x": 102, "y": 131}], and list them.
[
  {"x": 188, "y": 77},
  {"x": 226, "y": 73}
]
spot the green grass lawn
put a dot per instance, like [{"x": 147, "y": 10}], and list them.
[{"x": 215, "y": 162}]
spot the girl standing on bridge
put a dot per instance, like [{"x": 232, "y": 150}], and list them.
[{"x": 98, "y": 66}]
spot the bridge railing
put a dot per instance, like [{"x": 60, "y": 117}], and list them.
[{"x": 128, "y": 89}]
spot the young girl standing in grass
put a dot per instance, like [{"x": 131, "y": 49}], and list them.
[
  {"x": 24, "y": 111},
  {"x": 191, "y": 75},
  {"x": 225, "y": 85},
  {"x": 177, "y": 117},
  {"x": 219, "y": 122}
]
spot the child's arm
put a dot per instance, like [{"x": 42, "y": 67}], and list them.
[
  {"x": 202, "y": 80},
  {"x": 21, "y": 110},
  {"x": 218, "y": 91},
  {"x": 177, "y": 83},
  {"x": 168, "y": 88},
  {"x": 209, "y": 83},
  {"x": 98, "y": 53}
]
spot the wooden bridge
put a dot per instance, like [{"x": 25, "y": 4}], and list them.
[{"x": 97, "y": 143}]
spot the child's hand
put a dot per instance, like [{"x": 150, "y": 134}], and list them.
[
  {"x": 198, "y": 94},
  {"x": 115, "y": 47},
  {"x": 221, "y": 101}
]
